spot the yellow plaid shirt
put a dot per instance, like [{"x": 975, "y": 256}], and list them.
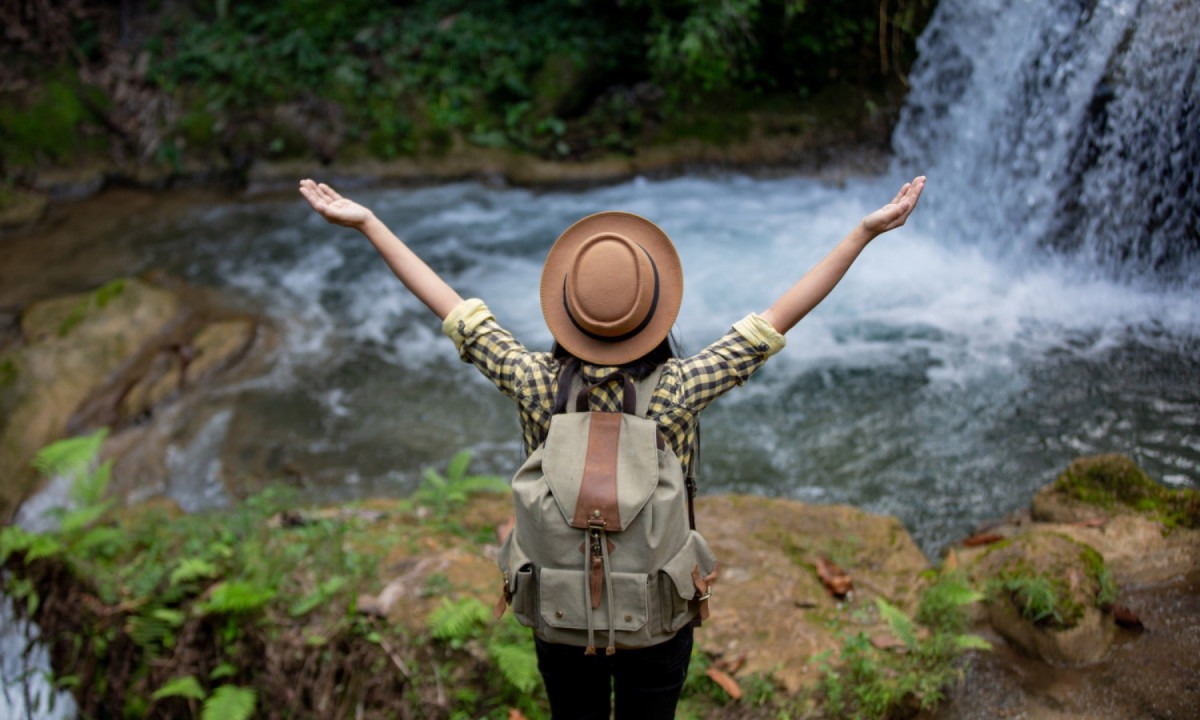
[{"x": 686, "y": 386}]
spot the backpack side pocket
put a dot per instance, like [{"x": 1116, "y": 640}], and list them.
[
  {"x": 676, "y": 586},
  {"x": 520, "y": 578}
]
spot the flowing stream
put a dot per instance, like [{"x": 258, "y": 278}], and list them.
[{"x": 1041, "y": 303}]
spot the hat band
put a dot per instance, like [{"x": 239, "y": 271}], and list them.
[{"x": 632, "y": 333}]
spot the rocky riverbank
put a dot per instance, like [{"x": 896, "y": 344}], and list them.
[{"x": 821, "y": 611}]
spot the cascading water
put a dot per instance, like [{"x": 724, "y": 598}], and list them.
[{"x": 1064, "y": 125}]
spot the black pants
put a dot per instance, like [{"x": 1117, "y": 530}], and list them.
[{"x": 647, "y": 681}]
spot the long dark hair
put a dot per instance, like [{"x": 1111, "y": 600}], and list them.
[{"x": 643, "y": 366}]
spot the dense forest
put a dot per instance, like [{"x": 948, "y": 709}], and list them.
[{"x": 183, "y": 85}]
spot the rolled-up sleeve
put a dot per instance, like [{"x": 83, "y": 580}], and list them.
[{"x": 464, "y": 319}]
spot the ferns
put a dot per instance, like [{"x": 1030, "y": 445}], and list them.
[
  {"x": 518, "y": 664},
  {"x": 192, "y": 568},
  {"x": 238, "y": 596},
  {"x": 229, "y": 702},
  {"x": 444, "y": 493},
  {"x": 509, "y": 646},
  {"x": 70, "y": 458},
  {"x": 870, "y": 682},
  {"x": 899, "y": 623},
  {"x": 184, "y": 687},
  {"x": 456, "y": 622}
]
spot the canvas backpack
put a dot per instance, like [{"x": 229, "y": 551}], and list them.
[{"x": 605, "y": 541}]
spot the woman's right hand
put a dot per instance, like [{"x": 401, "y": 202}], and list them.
[{"x": 333, "y": 207}]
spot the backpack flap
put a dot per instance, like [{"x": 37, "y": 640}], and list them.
[{"x": 601, "y": 467}]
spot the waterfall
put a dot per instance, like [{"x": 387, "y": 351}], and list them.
[{"x": 1066, "y": 127}]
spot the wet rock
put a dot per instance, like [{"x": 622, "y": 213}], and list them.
[
  {"x": 1049, "y": 595},
  {"x": 1144, "y": 531},
  {"x": 117, "y": 356},
  {"x": 70, "y": 346}
]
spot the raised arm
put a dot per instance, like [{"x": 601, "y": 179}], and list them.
[
  {"x": 816, "y": 284},
  {"x": 418, "y": 277}
]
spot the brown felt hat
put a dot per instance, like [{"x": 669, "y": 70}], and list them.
[{"x": 611, "y": 288}]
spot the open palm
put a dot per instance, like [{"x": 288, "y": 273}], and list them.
[
  {"x": 895, "y": 213},
  {"x": 332, "y": 206}
]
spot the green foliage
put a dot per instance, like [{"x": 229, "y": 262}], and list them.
[
  {"x": 869, "y": 682},
  {"x": 238, "y": 596},
  {"x": 1036, "y": 597},
  {"x": 445, "y": 493},
  {"x": 47, "y": 128},
  {"x": 72, "y": 459},
  {"x": 456, "y": 622},
  {"x": 1110, "y": 480},
  {"x": 229, "y": 702},
  {"x": 514, "y": 677},
  {"x": 184, "y": 687}
]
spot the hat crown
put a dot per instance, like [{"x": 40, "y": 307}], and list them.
[{"x": 612, "y": 286}]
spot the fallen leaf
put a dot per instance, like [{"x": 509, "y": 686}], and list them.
[
  {"x": 515, "y": 714},
  {"x": 1091, "y": 522},
  {"x": 731, "y": 664},
  {"x": 835, "y": 578},
  {"x": 1126, "y": 617},
  {"x": 982, "y": 538},
  {"x": 886, "y": 641},
  {"x": 726, "y": 681}
]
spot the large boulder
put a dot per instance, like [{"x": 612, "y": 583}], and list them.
[
  {"x": 112, "y": 357},
  {"x": 1049, "y": 595}
]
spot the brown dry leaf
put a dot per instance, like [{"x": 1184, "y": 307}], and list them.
[
  {"x": 515, "y": 714},
  {"x": 835, "y": 578},
  {"x": 726, "y": 681},
  {"x": 886, "y": 641},
  {"x": 1126, "y": 617},
  {"x": 982, "y": 538},
  {"x": 731, "y": 664}
]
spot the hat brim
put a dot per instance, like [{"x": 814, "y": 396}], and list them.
[{"x": 670, "y": 278}]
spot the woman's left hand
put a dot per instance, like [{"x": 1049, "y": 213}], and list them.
[{"x": 895, "y": 213}]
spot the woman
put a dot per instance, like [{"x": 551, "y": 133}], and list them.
[{"x": 610, "y": 292}]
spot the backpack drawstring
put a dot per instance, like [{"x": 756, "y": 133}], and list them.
[
  {"x": 587, "y": 597},
  {"x": 612, "y": 625}
]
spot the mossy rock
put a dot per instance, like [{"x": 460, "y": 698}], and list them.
[
  {"x": 1050, "y": 595},
  {"x": 1114, "y": 483}
]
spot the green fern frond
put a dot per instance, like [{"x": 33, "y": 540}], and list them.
[
  {"x": 192, "y": 568},
  {"x": 223, "y": 670},
  {"x": 71, "y": 456},
  {"x": 457, "y": 469},
  {"x": 318, "y": 597},
  {"x": 13, "y": 539},
  {"x": 229, "y": 702},
  {"x": 149, "y": 631},
  {"x": 484, "y": 483},
  {"x": 88, "y": 487},
  {"x": 77, "y": 520},
  {"x": 971, "y": 642},
  {"x": 184, "y": 687},
  {"x": 900, "y": 624},
  {"x": 458, "y": 621},
  {"x": 237, "y": 596},
  {"x": 517, "y": 663}
]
